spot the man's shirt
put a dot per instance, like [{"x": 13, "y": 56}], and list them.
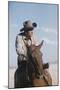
[{"x": 20, "y": 45}]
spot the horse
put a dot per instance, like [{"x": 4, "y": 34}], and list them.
[
  {"x": 25, "y": 74},
  {"x": 46, "y": 79}
]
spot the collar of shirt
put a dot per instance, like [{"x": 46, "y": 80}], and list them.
[{"x": 27, "y": 41}]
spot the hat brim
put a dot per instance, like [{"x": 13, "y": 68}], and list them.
[
  {"x": 26, "y": 29},
  {"x": 23, "y": 33}
]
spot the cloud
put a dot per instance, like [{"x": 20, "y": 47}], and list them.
[
  {"x": 47, "y": 41},
  {"x": 49, "y": 30}
]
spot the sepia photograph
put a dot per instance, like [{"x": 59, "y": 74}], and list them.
[{"x": 33, "y": 44}]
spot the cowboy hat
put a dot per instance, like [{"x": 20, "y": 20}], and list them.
[{"x": 28, "y": 26}]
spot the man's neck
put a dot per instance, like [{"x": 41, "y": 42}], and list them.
[{"x": 28, "y": 37}]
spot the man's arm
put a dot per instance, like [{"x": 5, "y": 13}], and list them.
[
  {"x": 19, "y": 48},
  {"x": 19, "y": 45}
]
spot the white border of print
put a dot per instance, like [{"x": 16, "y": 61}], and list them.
[{"x": 4, "y": 42}]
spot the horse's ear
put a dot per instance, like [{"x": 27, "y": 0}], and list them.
[{"x": 41, "y": 44}]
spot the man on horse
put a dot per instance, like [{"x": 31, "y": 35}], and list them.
[{"x": 24, "y": 40}]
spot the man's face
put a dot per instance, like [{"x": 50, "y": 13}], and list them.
[{"x": 29, "y": 33}]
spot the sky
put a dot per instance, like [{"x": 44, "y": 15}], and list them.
[{"x": 46, "y": 17}]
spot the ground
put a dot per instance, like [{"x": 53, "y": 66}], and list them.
[{"x": 52, "y": 69}]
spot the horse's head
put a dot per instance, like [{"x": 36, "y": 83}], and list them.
[
  {"x": 33, "y": 47},
  {"x": 35, "y": 51}
]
